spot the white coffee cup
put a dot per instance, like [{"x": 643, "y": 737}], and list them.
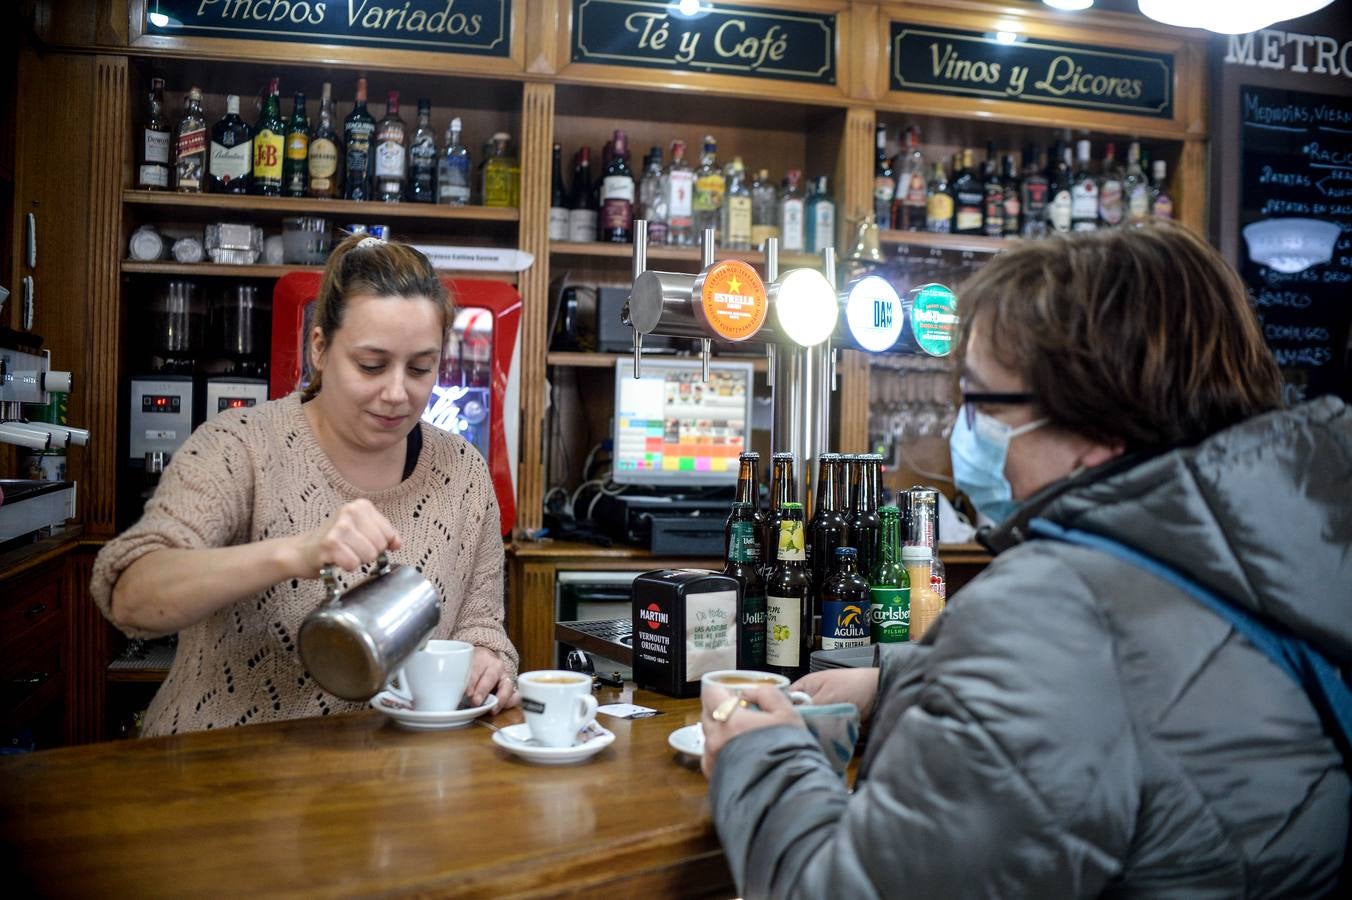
[
  {"x": 433, "y": 679},
  {"x": 739, "y": 681},
  {"x": 558, "y": 704}
]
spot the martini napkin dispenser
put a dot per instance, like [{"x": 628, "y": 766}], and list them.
[{"x": 685, "y": 624}]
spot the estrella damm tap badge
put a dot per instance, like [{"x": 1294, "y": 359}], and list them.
[
  {"x": 732, "y": 302},
  {"x": 845, "y": 623},
  {"x": 890, "y": 618}
]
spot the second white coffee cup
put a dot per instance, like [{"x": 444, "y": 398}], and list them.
[
  {"x": 558, "y": 704},
  {"x": 740, "y": 681},
  {"x": 433, "y": 679}
]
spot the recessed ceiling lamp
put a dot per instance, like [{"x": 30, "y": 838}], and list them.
[
  {"x": 1226, "y": 16},
  {"x": 1069, "y": 5}
]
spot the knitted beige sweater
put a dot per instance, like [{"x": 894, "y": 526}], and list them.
[{"x": 255, "y": 474}]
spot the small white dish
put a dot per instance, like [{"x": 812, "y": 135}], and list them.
[
  {"x": 688, "y": 740},
  {"x": 516, "y": 739},
  {"x": 405, "y": 716}
]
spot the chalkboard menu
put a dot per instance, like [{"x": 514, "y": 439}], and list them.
[{"x": 1296, "y": 224}]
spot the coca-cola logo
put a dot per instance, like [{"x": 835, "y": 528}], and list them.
[{"x": 654, "y": 616}]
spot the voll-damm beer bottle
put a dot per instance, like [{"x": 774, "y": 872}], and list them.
[
  {"x": 890, "y": 585},
  {"x": 845, "y": 604},
  {"x": 863, "y": 517},
  {"x": 788, "y": 599},
  {"x": 746, "y": 506},
  {"x": 741, "y": 566},
  {"x": 828, "y": 529},
  {"x": 783, "y": 489}
]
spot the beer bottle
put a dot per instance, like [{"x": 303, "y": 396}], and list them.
[
  {"x": 783, "y": 489},
  {"x": 788, "y": 599},
  {"x": 828, "y": 529},
  {"x": 863, "y": 518},
  {"x": 845, "y": 604},
  {"x": 890, "y": 585},
  {"x": 746, "y": 504},
  {"x": 742, "y": 556}
]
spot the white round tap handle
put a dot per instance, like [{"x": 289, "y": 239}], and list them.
[
  {"x": 56, "y": 381},
  {"x": 24, "y": 436}
]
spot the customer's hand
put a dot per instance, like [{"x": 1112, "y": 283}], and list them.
[
  {"x": 857, "y": 686},
  {"x": 356, "y": 535},
  {"x": 774, "y": 709},
  {"x": 488, "y": 675}
]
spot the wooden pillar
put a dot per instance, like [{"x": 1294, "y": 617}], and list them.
[{"x": 856, "y": 202}]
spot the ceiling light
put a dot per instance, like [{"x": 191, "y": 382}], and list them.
[
  {"x": 1069, "y": 5},
  {"x": 1007, "y": 37},
  {"x": 1226, "y": 16},
  {"x": 158, "y": 19}
]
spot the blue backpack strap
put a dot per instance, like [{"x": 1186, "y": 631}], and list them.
[{"x": 1319, "y": 678}]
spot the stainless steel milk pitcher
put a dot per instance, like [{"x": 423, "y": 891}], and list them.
[{"x": 356, "y": 639}]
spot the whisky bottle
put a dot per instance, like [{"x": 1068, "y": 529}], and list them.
[
  {"x": 736, "y": 217},
  {"x": 190, "y": 146},
  {"x": 617, "y": 194},
  {"x": 969, "y": 197},
  {"x": 269, "y": 144},
  {"x": 296, "y": 165},
  {"x": 422, "y": 157},
  {"x": 391, "y": 138},
  {"x": 939, "y": 202},
  {"x": 153, "y": 173},
  {"x": 497, "y": 172},
  {"x": 453, "y": 169},
  {"x": 325, "y": 150},
  {"x": 230, "y": 159},
  {"x": 358, "y": 131},
  {"x": 678, "y": 184}
]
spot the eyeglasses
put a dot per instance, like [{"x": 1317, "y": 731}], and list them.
[{"x": 972, "y": 399}]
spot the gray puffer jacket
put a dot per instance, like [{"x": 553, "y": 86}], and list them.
[{"x": 1076, "y": 727}]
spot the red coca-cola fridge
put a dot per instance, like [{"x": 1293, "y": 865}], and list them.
[{"x": 477, "y": 394}]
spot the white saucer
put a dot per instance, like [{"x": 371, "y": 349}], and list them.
[
  {"x": 406, "y": 716},
  {"x": 516, "y": 739},
  {"x": 688, "y": 740}
]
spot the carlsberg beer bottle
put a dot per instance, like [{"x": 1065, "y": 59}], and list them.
[{"x": 890, "y": 586}]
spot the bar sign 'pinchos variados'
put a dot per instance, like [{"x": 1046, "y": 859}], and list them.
[
  {"x": 481, "y": 27},
  {"x": 972, "y": 64},
  {"x": 750, "y": 41}
]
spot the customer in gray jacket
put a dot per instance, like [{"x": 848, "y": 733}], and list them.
[{"x": 1074, "y": 725}]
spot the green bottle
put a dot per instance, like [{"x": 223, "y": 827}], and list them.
[
  {"x": 296, "y": 164},
  {"x": 743, "y": 554},
  {"x": 269, "y": 145},
  {"x": 890, "y": 586}
]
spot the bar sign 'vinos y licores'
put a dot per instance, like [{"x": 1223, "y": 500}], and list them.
[
  {"x": 481, "y": 27},
  {"x": 719, "y": 39},
  {"x": 972, "y": 64}
]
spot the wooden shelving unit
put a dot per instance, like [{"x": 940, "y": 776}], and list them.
[
  {"x": 218, "y": 270},
  {"x": 607, "y": 360},
  {"x": 971, "y": 243},
  {"x": 683, "y": 254},
  {"x": 253, "y": 205}
]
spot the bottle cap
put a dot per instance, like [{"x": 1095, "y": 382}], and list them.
[
  {"x": 915, "y": 553},
  {"x": 798, "y": 506},
  {"x": 232, "y": 105}
]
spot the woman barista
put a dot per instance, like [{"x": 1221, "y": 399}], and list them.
[{"x": 257, "y": 501}]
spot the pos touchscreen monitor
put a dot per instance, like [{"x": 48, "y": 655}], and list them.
[{"x": 672, "y": 429}]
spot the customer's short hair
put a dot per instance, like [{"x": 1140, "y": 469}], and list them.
[{"x": 1142, "y": 335}]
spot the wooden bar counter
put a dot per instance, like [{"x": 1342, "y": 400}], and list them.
[{"x": 353, "y": 805}]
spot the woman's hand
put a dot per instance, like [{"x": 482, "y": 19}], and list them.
[
  {"x": 488, "y": 675},
  {"x": 356, "y": 535},
  {"x": 857, "y": 686},
  {"x": 775, "y": 709}
]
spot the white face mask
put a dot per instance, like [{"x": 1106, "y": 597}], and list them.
[{"x": 979, "y": 446}]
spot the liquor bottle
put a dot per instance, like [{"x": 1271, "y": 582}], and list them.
[
  {"x": 845, "y": 604},
  {"x": 422, "y": 157},
  {"x": 863, "y": 515},
  {"x": 498, "y": 169},
  {"x": 652, "y": 197},
  {"x": 792, "y": 237},
  {"x": 153, "y": 173},
  {"x": 709, "y": 188},
  {"x": 742, "y": 560},
  {"x": 1135, "y": 187},
  {"x": 190, "y": 146},
  {"x": 269, "y": 144},
  {"x": 783, "y": 489},
  {"x": 938, "y": 202},
  {"x": 788, "y": 600},
  {"x": 820, "y": 218},
  {"x": 230, "y": 159},
  {"x": 1059, "y": 189},
  {"x": 1034, "y": 193},
  {"x": 617, "y": 194},
  {"x": 391, "y": 165},
  {"x": 993, "y": 224},
  {"x": 581, "y": 212},
  {"x": 828, "y": 529},
  {"x": 909, "y": 202},
  {"x": 558, "y": 198},
  {"x": 1084, "y": 197},
  {"x": 889, "y": 585},
  {"x": 1112, "y": 207},
  {"x": 969, "y": 199},
  {"x": 884, "y": 181},
  {"x": 1013, "y": 203},
  {"x": 748, "y": 496},
  {"x": 296, "y": 164},
  {"x": 678, "y": 185},
  {"x": 736, "y": 217},
  {"x": 325, "y": 149},
  {"x": 358, "y": 133},
  {"x": 1161, "y": 203},
  {"x": 764, "y": 209},
  {"x": 453, "y": 169}
]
